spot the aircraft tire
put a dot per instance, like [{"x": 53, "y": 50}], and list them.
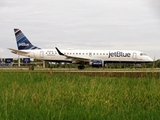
[{"x": 80, "y": 67}]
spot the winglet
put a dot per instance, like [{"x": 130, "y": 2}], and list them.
[{"x": 59, "y": 52}]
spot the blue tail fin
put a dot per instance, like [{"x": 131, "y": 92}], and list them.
[{"x": 22, "y": 42}]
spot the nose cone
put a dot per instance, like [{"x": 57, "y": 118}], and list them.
[{"x": 149, "y": 59}]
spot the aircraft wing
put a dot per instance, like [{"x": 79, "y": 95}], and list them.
[
  {"x": 17, "y": 51},
  {"x": 77, "y": 58},
  {"x": 74, "y": 58}
]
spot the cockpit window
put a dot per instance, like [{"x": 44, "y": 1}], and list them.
[{"x": 142, "y": 54}]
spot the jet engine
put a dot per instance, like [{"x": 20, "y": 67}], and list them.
[{"x": 97, "y": 63}]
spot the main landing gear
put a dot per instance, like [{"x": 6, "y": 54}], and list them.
[{"x": 80, "y": 67}]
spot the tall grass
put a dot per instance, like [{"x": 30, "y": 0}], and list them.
[{"x": 66, "y": 96}]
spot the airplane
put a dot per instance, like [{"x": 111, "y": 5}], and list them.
[{"x": 95, "y": 58}]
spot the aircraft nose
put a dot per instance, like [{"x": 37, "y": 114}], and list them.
[{"x": 150, "y": 59}]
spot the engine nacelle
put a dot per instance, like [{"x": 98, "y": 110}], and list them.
[{"x": 97, "y": 63}]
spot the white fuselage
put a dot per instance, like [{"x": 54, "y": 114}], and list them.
[{"x": 88, "y": 55}]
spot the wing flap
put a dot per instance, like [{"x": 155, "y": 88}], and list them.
[{"x": 74, "y": 58}]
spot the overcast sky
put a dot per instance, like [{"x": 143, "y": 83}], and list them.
[{"x": 82, "y": 24}]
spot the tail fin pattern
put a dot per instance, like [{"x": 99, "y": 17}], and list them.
[{"x": 22, "y": 42}]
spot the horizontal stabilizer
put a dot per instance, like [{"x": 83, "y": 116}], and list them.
[{"x": 17, "y": 51}]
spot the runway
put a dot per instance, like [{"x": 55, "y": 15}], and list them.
[{"x": 90, "y": 72}]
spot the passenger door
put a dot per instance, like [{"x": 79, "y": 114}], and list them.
[
  {"x": 134, "y": 56},
  {"x": 41, "y": 54}
]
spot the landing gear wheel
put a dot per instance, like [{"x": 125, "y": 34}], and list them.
[{"x": 80, "y": 67}]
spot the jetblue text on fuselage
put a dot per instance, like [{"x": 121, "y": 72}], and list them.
[{"x": 118, "y": 54}]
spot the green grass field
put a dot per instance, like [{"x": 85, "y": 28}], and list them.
[{"x": 43, "y": 96}]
